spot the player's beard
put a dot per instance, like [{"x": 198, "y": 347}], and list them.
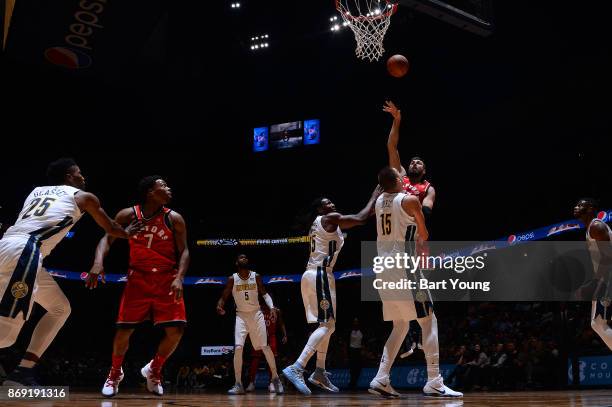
[{"x": 414, "y": 174}]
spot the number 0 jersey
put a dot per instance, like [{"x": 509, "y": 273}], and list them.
[
  {"x": 324, "y": 246},
  {"x": 391, "y": 223},
  {"x": 153, "y": 248},
  {"x": 245, "y": 293},
  {"x": 48, "y": 214}
]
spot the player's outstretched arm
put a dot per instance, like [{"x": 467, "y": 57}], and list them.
[
  {"x": 124, "y": 217},
  {"x": 261, "y": 289},
  {"x": 227, "y": 291},
  {"x": 412, "y": 206},
  {"x": 180, "y": 239},
  {"x": 393, "y": 140},
  {"x": 349, "y": 221},
  {"x": 89, "y": 203}
]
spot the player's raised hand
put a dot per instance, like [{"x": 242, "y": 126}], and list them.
[
  {"x": 390, "y": 107},
  {"x": 97, "y": 270},
  {"x": 220, "y": 310},
  {"x": 134, "y": 227},
  {"x": 176, "y": 289},
  {"x": 377, "y": 191}
]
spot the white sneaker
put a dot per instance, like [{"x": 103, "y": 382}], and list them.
[
  {"x": 250, "y": 387},
  {"x": 276, "y": 386},
  {"x": 436, "y": 388},
  {"x": 111, "y": 386},
  {"x": 236, "y": 389},
  {"x": 153, "y": 380},
  {"x": 382, "y": 389}
]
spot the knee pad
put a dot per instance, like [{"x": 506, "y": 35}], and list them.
[{"x": 329, "y": 326}]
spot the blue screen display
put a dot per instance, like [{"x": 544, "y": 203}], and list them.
[
  {"x": 311, "y": 132},
  {"x": 260, "y": 139}
]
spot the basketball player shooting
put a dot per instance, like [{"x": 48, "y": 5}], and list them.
[
  {"x": 599, "y": 240},
  {"x": 414, "y": 183},
  {"x": 48, "y": 214},
  {"x": 319, "y": 288},
  {"x": 396, "y": 211},
  {"x": 159, "y": 258},
  {"x": 245, "y": 286},
  {"x": 413, "y": 180}
]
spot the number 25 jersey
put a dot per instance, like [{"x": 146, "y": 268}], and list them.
[{"x": 47, "y": 215}]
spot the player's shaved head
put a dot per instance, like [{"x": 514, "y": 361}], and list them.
[{"x": 388, "y": 178}]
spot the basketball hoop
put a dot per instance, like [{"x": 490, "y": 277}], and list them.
[{"x": 369, "y": 20}]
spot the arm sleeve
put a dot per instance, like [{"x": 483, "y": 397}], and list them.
[{"x": 268, "y": 301}]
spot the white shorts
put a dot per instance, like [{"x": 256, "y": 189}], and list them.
[
  {"x": 253, "y": 324},
  {"x": 20, "y": 274},
  {"x": 319, "y": 295}
]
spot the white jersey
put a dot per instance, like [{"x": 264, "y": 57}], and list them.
[
  {"x": 245, "y": 293},
  {"x": 391, "y": 223},
  {"x": 324, "y": 246},
  {"x": 593, "y": 247},
  {"x": 47, "y": 215}
]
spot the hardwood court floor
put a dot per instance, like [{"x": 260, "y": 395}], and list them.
[{"x": 588, "y": 398}]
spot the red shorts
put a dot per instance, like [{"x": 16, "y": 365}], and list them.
[
  {"x": 146, "y": 297},
  {"x": 271, "y": 344}
]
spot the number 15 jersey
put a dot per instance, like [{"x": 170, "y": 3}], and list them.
[{"x": 391, "y": 223}]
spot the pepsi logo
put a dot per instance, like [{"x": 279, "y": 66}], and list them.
[
  {"x": 603, "y": 216},
  {"x": 67, "y": 57},
  {"x": 511, "y": 239}
]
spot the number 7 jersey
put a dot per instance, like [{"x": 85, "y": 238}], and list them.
[
  {"x": 153, "y": 249},
  {"x": 48, "y": 214}
]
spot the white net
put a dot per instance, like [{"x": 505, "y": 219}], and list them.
[{"x": 369, "y": 20}]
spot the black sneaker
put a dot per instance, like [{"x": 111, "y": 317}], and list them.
[{"x": 21, "y": 376}]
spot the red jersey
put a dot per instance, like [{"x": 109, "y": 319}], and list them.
[
  {"x": 270, "y": 325},
  {"x": 419, "y": 190},
  {"x": 153, "y": 248}
]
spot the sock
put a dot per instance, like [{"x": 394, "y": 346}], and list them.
[
  {"x": 267, "y": 351},
  {"x": 158, "y": 362},
  {"x": 238, "y": 363},
  {"x": 429, "y": 326},
  {"x": 392, "y": 347},
  {"x": 313, "y": 342},
  {"x": 117, "y": 361},
  {"x": 29, "y": 360}
]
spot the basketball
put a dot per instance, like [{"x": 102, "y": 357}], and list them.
[{"x": 398, "y": 66}]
